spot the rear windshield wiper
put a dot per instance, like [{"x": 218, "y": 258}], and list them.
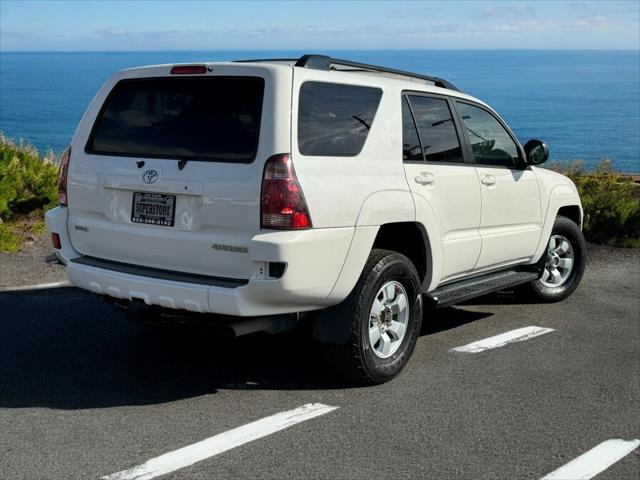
[{"x": 182, "y": 162}]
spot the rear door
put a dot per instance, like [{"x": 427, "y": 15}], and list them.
[
  {"x": 511, "y": 223},
  {"x": 436, "y": 170},
  {"x": 166, "y": 169}
]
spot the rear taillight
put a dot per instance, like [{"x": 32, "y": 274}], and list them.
[
  {"x": 282, "y": 204},
  {"x": 188, "y": 70},
  {"x": 62, "y": 177}
]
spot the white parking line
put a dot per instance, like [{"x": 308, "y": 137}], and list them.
[
  {"x": 222, "y": 442},
  {"x": 518, "y": 335},
  {"x": 38, "y": 286},
  {"x": 596, "y": 460}
]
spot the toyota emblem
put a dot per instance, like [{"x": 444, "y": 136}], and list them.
[{"x": 149, "y": 176}]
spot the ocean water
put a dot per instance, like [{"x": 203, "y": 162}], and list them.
[{"x": 583, "y": 104}]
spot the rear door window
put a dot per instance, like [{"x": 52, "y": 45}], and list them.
[
  {"x": 411, "y": 149},
  {"x": 212, "y": 118},
  {"x": 334, "y": 119},
  {"x": 437, "y": 130}
]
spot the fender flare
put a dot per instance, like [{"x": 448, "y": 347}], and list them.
[
  {"x": 380, "y": 208},
  {"x": 427, "y": 220},
  {"x": 386, "y": 206},
  {"x": 562, "y": 195}
]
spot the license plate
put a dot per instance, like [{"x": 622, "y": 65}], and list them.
[{"x": 153, "y": 209}]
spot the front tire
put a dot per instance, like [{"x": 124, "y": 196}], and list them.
[
  {"x": 565, "y": 260},
  {"x": 384, "y": 311}
]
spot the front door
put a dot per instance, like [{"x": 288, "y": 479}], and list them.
[
  {"x": 443, "y": 185},
  {"x": 511, "y": 222}
]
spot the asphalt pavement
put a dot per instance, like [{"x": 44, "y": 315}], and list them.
[{"x": 84, "y": 394}]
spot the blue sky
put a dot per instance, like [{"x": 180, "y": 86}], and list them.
[{"x": 210, "y": 25}]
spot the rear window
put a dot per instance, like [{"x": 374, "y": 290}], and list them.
[
  {"x": 212, "y": 118},
  {"x": 333, "y": 119}
]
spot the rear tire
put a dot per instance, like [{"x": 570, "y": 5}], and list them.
[
  {"x": 385, "y": 313},
  {"x": 565, "y": 260}
]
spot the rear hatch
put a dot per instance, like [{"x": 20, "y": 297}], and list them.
[{"x": 166, "y": 169}]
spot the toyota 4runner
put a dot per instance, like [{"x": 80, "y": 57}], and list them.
[{"x": 256, "y": 193}]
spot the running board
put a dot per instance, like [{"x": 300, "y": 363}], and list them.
[{"x": 462, "y": 290}]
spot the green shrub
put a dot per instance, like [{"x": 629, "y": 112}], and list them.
[
  {"x": 9, "y": 240},
  {"x": 27, "y": 182},
  {"x": 611, "y": 203},
  {"x": 27, "y": 189}
]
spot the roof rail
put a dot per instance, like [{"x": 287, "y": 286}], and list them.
[
  {"x": 267, "y": 60},
  {"x": 322, "y": 62}
]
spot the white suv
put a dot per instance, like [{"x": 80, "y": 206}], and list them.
[{"x": 261, "y": 190}]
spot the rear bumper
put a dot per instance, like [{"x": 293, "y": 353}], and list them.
[
  {"x": 56, "y": 222},
  {"x": 314, "y": 261}
]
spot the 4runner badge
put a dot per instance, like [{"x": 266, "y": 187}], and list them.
[
  {"x": 229, "y": 248},
  {"x": 149, "y": 176}
]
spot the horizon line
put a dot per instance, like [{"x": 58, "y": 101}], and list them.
[{"x": 339, "y": 50}]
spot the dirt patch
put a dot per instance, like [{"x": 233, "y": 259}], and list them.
[{"x": 30, "y": 266}]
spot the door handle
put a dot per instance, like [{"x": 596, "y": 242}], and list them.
[
  {"x": 488, "y": 180},
  {"x": 425, "y": 178}
]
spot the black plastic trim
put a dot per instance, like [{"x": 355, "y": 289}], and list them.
[
  {"x": 276, "y": 269},
  {"x": 266, "y": 60},
  {"x": 315, "y": 61},
  {"x": 324, "y": 62},
  {"x": 428, "y": 255},
  {"x": 160, "y": 273},
  {"x": 468, "y": 288}
]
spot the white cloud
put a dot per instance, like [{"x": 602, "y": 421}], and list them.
[
  {"x": 511, "y": 11},
  {"x": 595, "y": 23},
  {"x": 508, "y": 27}
]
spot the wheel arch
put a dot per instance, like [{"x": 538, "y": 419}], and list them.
[
  {"x": 410, "y": 239},
  {"x": 572, "y": 212},
  {"x": 389, "y": 236},
  {"x": 563, "y": 200}
]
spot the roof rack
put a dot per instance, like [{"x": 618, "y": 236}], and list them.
[
  {"x": 267, "y": 60},
  {"x": 323, "y": 62}
]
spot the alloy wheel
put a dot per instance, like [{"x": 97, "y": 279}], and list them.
[
  {"x": 559, "y": 263},
  {"x": 388, "y": 319}
]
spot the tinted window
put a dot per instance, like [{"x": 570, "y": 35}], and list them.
[
  {"x": 437, "y": 130},
  {"x": 490, "y": 142},
  {"x": 333, "y": 119},
  {"x": 214, "y": 118},
  {"x": 411, "y": 149}
]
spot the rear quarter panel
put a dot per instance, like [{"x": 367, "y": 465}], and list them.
[{"x": 345, "y": 191}]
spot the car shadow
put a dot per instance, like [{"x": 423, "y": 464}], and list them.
[
  {"x": 66, "y": 349},
  {"x": 435, "y": 321}
]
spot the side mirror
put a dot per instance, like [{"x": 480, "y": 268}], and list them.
[{"x": 536, "y": 151}]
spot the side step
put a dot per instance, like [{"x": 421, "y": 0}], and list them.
[{"x": 462, "y": 290}]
